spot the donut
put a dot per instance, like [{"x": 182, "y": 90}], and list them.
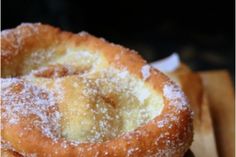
[{"x": 65, "y": 94}]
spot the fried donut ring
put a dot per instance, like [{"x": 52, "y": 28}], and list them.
[{"x": 67, "y": 94}]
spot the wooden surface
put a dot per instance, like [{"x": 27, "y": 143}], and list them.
[
  {"x": 204, "y": 144},
  {"x": 220, "y": 93},
  {"x": 211, "y": 96}
]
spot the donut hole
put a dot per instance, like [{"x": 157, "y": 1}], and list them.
[{"x": 99, "y": 106}]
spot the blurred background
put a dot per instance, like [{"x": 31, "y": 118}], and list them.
[{"x": 201, "y": 32}]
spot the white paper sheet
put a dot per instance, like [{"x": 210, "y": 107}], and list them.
[{"x": 168, "y": 64}]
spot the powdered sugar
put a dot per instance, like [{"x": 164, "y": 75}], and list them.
[
  {"x": 16, "y": 37},
  {"x": 175, "y": 95},
  {"x": 21, "y": 100}
]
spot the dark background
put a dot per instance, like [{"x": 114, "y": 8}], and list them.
[{"x": 201, "y": 32}]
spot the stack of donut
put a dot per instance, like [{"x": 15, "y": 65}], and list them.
[{"x": 65, "y": 94}]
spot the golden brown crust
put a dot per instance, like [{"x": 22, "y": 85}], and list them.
[
  {"x": 169, "y": 134},
  {"x": 9, "y": 153}
]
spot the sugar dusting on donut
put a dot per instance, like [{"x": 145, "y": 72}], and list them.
[
  {"x": 20, "y": 99},
  {"x": 17, "y": 37},
  {"x": 23, "y": 98},
  {"x": 175, "y": 95},
  {"x": 122, "y": 85}
]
